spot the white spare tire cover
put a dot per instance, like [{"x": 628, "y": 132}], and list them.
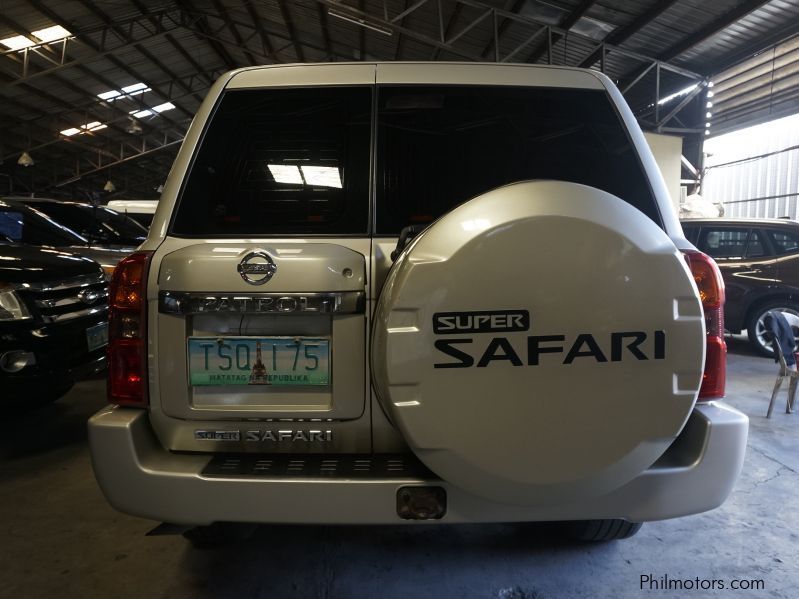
[{"x": 539, "y": 343}]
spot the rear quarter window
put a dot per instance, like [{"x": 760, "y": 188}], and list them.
[
  {"x": 724, "y": 242},
  {"x": 785, "y": 242}
]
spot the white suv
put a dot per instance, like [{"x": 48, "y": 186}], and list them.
[{"x": 385, "y": 293}]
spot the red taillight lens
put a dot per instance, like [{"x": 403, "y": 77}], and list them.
[
  {"x": 127, "y": 332},
  {"x": 711, "y": 292}
]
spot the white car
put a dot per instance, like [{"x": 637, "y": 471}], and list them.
[
  {"x": 141, "y": 211},
  {"x": 545, "y": 346}
]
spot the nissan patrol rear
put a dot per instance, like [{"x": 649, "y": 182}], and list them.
[{"x": 544, "y": 344}]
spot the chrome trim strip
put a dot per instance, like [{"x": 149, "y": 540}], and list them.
[
  {"x": 82, "y": 281},
  {"x": 342, "y": 302},
  {"x": 70, "y": 301},
  {"x": 72, "y": 315}
]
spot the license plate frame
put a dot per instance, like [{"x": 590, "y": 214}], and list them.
[
  {"x": 280, "y": 369},
  {"x": 97, "y": 336}
]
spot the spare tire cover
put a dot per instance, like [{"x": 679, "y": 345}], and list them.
[{"x": 542, "y": 342}]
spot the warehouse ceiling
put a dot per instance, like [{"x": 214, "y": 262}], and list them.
[{"x": 99, "y": 91}]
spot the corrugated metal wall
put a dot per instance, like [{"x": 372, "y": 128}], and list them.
[
  {"x": 755, "y": 171},
  {"x": 760, "y": 89}
]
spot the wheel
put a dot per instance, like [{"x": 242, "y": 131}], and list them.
[
  {"x": 756, "y": 330},
  {"x": 602, "y": 530},
  {"x": 218, "y": 534}
]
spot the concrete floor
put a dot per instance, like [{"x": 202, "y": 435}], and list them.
[{"x": 60, "y": 538}]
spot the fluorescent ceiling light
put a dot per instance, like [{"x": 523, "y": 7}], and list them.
[
  {"x": 678, "y": 94},
  {"x": 283, "y": 173},
  {"x": 49, "y": 34},
  {"x": 18, "y": 42},
  {"x": 163, "y": 107},
  {"x": 134, "y": 88},
  {"x": 322, "y": 176},
  {"x": 126, "y": 92},
  {"x": 93, "y": 126},
  {"x": 109, "y": 95},
  {"x": 139, "y": 114}
]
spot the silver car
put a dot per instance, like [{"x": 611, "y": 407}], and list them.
[{"x": 403, "y": 293}]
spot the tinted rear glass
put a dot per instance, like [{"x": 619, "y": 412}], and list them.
[
  {"x": 723, "y": 242},
  {"x": 95, "y": 223},
  {"x": 440, "y": 146},
  {"x": 20, "y": 224},
  {"x": 281, "y": 161},
  {"x": 785, "y": 242}
]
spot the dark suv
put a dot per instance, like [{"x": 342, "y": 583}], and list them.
[
  {"x": 53, "y": 323},
  {"x": 759, "y": 260}
]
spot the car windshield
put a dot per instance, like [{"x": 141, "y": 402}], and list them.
[
  {"x": 96, "y": 223},
  {"x": 20, "y": 224}
]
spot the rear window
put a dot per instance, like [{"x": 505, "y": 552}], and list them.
[
  {"x": 281, "y": 162},
  {"x": 20, "y": 224},
  {"x": 440, "y": 146},
  {"x": 297, "y": 161},
  {"x": 95, "y": 223}
]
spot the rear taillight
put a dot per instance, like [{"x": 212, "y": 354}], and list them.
[
  {"x": 127, "y": 332},
  {"x": 711, "y": 292}
]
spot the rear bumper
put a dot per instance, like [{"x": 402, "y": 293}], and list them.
[
  {"x": 60, "y": 352},
  {"x": 141, "y": 478}
]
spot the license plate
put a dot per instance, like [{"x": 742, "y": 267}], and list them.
[
  {"x": 97, "y": 336},
  {"x": 275, "y": 361}
]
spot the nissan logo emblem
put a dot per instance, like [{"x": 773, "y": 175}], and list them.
[{"x": 257, "y": 268}]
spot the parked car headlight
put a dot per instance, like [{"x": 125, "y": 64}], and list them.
[{"x": 11, "y": 307}]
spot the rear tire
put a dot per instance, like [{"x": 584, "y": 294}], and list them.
[
  {"x": 599, "y": 531},
  {"x": 755, "y": 329}
]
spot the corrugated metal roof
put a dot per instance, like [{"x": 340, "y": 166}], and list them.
[
  {"x": 178, "y": 46},
  {"x": 762, "y": 88}
]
